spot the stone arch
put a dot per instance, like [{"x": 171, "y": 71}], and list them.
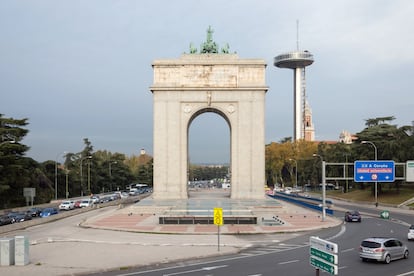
[{"x": 221, "y": 83}]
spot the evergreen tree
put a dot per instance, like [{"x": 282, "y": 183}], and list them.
[{"x": 14, "y": 174}]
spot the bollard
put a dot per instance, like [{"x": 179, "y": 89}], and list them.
[
  {"x": 21, "y": 256},
  {"x": 6, "y": 251}
]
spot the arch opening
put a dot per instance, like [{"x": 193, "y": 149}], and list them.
[{"x": 209, "y": 128}]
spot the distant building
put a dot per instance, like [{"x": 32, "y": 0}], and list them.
[{"x": 346, "y": 137}]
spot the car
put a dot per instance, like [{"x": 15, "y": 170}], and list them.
[
  {"x": 12, "y": 216},
  {"x": 20, "y": 217},
  {"x": 67, "y": 205},
  {"x": 6, "y": 220},
  {"x": 48, "y": 212},
  {"x": 77, "y": 204},
  {"x": 410, "y": 234},
  {"x": 351, "y": 216},
  {"x": 34, "y": 211},
  {"x": 95, "y": 199},
  {"x": 382, "y": 249},
  {"x": 86, "y": 203}
]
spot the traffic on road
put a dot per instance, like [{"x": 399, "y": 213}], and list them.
[{"x": 25, "y": 214}]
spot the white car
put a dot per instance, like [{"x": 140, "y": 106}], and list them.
[
  {"x": 67, "y": 205},
  {"x": 410, "y": 234},
  {"x": 86, "y": 203}
]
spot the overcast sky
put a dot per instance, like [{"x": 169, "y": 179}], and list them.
[{"x": 82, "y": 69}]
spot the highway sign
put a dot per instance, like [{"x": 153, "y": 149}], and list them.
[
  {"x": 218, "y": 216},
  {"x": 330, "y": 268},
  {"x": 323, "y": 255},
  {"x": 374, "y": 171},
  {"x": 385, "y": 214},
  {"x": 330, "y": 258},
  {"x": 323, "y": 245}
]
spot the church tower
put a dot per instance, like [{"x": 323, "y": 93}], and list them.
[{"x": 309, "y": 128}]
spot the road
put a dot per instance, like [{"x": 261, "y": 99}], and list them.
[
  {"x": 291, "y": 256},
  {"x": 273, "y": 254}
]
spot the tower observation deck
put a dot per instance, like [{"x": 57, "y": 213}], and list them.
[{"x": 297, "y": 61}]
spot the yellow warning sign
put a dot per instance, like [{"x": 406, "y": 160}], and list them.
[{"x": 218, "y": 216}]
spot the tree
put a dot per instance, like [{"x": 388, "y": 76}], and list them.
[
  {"x": 279, "y": 163},
  {"x": 13, "y": 173}
]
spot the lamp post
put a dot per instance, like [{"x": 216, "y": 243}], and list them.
[
  {"x": 323, "y": 187},
  {"x": 346, "y": 170},
  {"x": 81, "y": 177},
  {"x": 376, "y": 158},
  {"x": 296, "y": 171},
  {"x": 67, "y": 183},
  {"x": 110, "y": 174},
  {"x": 89, "y": 178},
  {"x": 56, "y": 174}
]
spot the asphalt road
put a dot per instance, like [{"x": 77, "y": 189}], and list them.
[
  {"x": 280, "y": 254},
  {"x": 291, "y": 256}
]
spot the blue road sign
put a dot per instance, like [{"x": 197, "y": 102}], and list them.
[{"x": 374, "y": 171}]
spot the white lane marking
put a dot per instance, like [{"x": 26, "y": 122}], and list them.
[
  {"x": 347, "y": 250},
  {"x": 208, "y": 268},
  {"x": 289, "y": 262},
  {"x": 407, "y": 273}
]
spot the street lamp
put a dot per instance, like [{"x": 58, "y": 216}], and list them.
[
  {"x": 110, "y": 175},
  {"x": 56, "y": 175},
  {"x": 87, "y": 157},
  {"x": 376, "y": 158},
  {"x": 67, "y": 183},
  {"x": 323, "y": 187},
  {"x": 346, "y": 170},
  {"x": 296, "y": 171}
]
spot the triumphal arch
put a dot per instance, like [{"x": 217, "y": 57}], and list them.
[{"x": 209, "y": 80}]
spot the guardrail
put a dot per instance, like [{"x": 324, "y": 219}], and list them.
[{"x": 304, "y": 202}]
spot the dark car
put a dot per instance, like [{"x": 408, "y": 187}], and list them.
[
  {"x": 12, "y": 216},
  {"x": 6, "y": 220},
  {"x": 20, "y": 217},
  {"x": 351, "y": 216},
  {"x": 48, "y": 212},
  {"x": 35, "y": 211}
]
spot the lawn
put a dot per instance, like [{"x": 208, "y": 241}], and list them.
[{"x": 386, "y": 195}]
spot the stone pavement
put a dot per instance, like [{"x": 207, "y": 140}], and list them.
[{"x": 118, "y": 238}]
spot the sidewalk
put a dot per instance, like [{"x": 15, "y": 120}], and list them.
[{"x": 120, "y": 238}]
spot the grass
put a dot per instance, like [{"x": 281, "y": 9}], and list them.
[{"x": 386, "y": 195}]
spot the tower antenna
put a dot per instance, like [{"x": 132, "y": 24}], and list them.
[
  {"x": 297, "y": 61},
  {"x": 297, "y": 34}
]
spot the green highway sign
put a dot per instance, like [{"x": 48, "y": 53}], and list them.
[
  {"x": 385, "y": 214},
  {"x": 331, "y": 258},
  {"x": 330, "y": 268}
]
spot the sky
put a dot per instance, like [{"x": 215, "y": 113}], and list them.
[{"x": 82, "y": 69}]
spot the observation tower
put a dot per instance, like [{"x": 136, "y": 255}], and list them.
[{"x": 297, "y": 61}]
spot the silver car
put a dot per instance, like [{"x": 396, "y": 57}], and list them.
[{"x": 382, "y": 250}]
